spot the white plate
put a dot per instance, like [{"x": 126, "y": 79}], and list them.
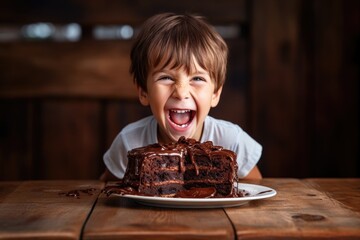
[{"x": 256, "y": 192}]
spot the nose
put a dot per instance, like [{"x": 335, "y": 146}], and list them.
[{"x": 182, "y": 90}]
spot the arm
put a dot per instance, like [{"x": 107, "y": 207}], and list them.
[{"x": 254, "y": 174}]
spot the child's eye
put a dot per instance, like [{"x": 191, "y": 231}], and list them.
[
  {"x": 196, "y": 79},
  {"x": 165, "y": 78}
]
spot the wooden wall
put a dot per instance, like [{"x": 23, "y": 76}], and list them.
[
  {"x": 305, "y": 86},
  {"x": 293, "y": 75}
]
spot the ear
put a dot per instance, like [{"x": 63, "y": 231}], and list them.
[
  {"x": 143, "y": 96},
  {"x": 216, "y": 97}
]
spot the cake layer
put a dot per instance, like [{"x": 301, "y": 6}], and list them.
[
  {"x": 163, "y": 190},
  {"x": 190, "y": 174},
  {"x": 167, "y": 190},
  {"x": 170, "y": 161}
]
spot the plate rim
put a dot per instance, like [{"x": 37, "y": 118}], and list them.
[{"x": 212, "y": 202}]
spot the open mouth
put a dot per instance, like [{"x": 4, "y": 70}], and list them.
[{"x": 181, "y": 118}]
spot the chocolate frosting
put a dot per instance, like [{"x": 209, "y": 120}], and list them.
[{"x": 185, "y": 147}]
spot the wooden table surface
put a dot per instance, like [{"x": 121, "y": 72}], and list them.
[
  {"x": 41, "y": 209},
  {"x": 302, "y": 209}
]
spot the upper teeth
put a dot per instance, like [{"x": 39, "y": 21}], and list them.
[{"x": 180, "y": 111}]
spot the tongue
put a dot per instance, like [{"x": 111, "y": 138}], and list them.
[{"x": 180, "y": 118}]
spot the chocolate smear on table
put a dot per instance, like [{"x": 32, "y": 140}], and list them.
[
  {"x": 308, "y": 217},
  {"x": 76, "y": 193}
]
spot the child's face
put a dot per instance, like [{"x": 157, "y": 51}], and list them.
[{"x": 179, "y": 101}]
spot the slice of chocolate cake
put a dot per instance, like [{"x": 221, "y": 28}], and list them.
[{"x": 166, "y": 170}]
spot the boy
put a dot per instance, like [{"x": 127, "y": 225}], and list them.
[{"x": 178, "y": 63}]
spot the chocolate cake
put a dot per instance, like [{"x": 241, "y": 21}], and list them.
[{"x": 181, "y": 169}]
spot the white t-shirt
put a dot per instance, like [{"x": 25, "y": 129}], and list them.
[{"x": 220, "y": 132}]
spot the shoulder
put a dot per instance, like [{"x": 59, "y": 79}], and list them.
[
  {"x": 217, "y": 128},
  {"x": 138, "y": 125},
  {"x": 139, "y": 133},
  {"x": 220, "y": 123},
  {"x": 136, "y": 134},
  {"x": 233, "y": 137},
  {"x": 225, "y": 133}
]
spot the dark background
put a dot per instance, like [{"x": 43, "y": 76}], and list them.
[{"x": 293, "y": 84}]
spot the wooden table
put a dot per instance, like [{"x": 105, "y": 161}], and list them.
[
  {"x": 302, "y": 209},
  {"x": 41, "y": 209}
]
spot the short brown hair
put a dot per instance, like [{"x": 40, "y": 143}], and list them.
[{"x": 173, "y": 40}]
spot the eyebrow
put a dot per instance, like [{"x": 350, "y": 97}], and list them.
[
  {"x": 160, "y": 71},
  {"x": 197, "y": 73},
  {"x": 201, "y": 73},
  {"x": 170, "y": 70}
]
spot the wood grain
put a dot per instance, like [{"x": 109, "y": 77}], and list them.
[
  {"x": 39, "y": 210},
  {"x": 112, "y": 11},
  {"x": 344, "y": 190},
  {"x": 16, "y": 140},
  {"x": 304, "y": 94},
  {"x": 297, "y": 211},
  {"x": 82, "y": 69},
  {"x": 278, "y": 90},
  {"x": 119, "y": 218},
  {"x": 302, "y": 209},
  {"x": 70, "y": 146},
  {"x": 6, "y": 188}
]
